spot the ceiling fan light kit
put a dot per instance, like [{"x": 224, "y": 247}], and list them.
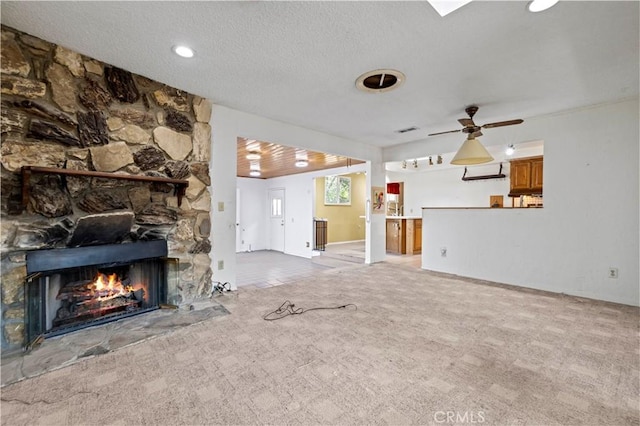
[{"x": 471, "y": 152}]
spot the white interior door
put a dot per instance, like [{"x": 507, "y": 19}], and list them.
[
  {"x": 276, "y": 219},
  {"x": 239, "y": 241}
]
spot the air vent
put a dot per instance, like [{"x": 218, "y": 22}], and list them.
[
  {"x": 408, "y": 129},
  {"x": 379, "y": 81}
]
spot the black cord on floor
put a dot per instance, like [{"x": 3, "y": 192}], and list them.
[
  {"x": 221, "y": 287},
  {"x": 288, "y": 308}
]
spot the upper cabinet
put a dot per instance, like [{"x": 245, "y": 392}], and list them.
[
  {"x": 536, "y": 174},
  {"x": 526, "y": 176}
]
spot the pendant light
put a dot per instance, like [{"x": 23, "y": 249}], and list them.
[{"x": 471, "y": 152}]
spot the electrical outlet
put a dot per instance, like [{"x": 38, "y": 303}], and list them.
[
  {"x": 613, "y": 272},
  {"x": 443, "y": 251},
  {"x": 220, "y": 265},
  {"x": 220, "y": 206},
  {"x": 307, "y": 243}
]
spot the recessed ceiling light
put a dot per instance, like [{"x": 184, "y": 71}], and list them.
[
  {"x": 302, "y": 163},
  {"x": 444, "y": 7},
  {"x": 184, "y": 51},
  {"x": 540, "y": 5},
  {"x": 253, "y": 156},
  {"x": 510, "y": 150},
  {"x": 254, "y": 173}
]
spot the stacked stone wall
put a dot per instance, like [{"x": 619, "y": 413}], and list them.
[{"x": 65, "y": 110}]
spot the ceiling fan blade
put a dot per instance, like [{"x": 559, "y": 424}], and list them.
[
  {"x": 466, "y": 122},
  {"x": 502, "y": 123},
  {"x": 442, "y": 133}
]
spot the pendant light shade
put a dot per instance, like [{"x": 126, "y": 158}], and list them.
[{"x": 471, "y": 152}]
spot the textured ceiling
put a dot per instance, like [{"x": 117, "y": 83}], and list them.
[{"x": 297, "y": 62}]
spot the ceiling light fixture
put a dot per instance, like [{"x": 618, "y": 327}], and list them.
[
  {"x": 183, "y": 51},
  {"x": 378, "y": 81},
  {"x": 302, "y": 163},
  {"x": 253, "y": 156},
  {"x": 471, "y": 152},
  {"x": 510, "y": 150},
  {"x": 254, "y": 173},
  {"x": 540, "y": 5},
  {"x": 445, "y": 7},
  {"x": 439, "y": 159}
]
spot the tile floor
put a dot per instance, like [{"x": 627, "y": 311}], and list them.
[{"x": 267, "y": 268}]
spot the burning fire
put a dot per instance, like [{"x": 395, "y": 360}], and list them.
[{"x": 110, "y": 286}]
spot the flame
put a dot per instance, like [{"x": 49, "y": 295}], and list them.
[{"x": 110, "y": 286}]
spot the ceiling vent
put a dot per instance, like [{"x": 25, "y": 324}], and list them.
[
  {"x": 408, "y": 129},
  {"x": 378, "y": 81}
]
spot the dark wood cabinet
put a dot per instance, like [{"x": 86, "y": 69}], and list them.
[{"x": 526, "y": 176}]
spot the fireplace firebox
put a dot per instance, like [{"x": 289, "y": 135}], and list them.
[{"x": 73, "y": 288}]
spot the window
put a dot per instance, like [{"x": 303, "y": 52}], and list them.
[
  {"x": 337, "y": 190},
  {"x": 276, "y": 207}
]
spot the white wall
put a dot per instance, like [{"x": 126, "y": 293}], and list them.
[
  {"x": 253, "y": 212},
  {"x": 589, "y": 222},
  {"x": 227, "y": 125}
]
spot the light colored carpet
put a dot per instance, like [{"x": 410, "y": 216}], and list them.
[{"x": 420, "y": 349}]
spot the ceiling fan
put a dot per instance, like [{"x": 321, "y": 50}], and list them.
[{"x": 472, "y": 129}]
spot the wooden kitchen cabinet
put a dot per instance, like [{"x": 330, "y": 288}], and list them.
[
  {"x": 526, "y": 176},
  {"x": 404, "y": 236},
  {"x": 520, "y": 175},
  {"x": 536, "y": 174},
  {"x": 417, "y": 236},
  {"x": 396, "y": 236}
]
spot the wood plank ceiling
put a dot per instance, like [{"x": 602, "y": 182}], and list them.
[{"x": 273, "y": 160}]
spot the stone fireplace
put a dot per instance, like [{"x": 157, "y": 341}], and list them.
[
  {"x": 70, "y": 289},
  {"x": 103, "y": 167}
]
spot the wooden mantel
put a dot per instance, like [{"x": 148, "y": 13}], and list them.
[{"x": 27, "y": 171}]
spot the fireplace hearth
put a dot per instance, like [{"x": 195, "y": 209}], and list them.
[{"x": 74, "y": 288}]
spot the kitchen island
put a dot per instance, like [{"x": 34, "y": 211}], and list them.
[{"x": 404, "y": 234}]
